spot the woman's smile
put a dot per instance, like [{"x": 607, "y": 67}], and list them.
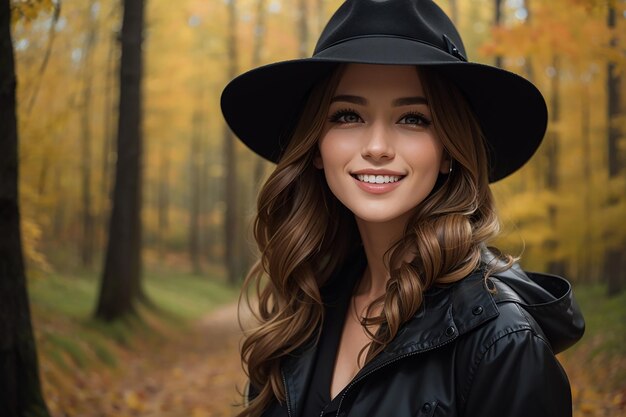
[{"x": 377, "y": 181}]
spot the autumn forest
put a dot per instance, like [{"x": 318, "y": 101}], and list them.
[{"x": 128, "y": 176}]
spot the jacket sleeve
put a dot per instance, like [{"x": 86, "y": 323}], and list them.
[{"x": 518, "y": 376}]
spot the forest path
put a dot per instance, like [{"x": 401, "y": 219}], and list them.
[
  {"x": 203, "y": 377},
  {"x": 196, "y": 374}
]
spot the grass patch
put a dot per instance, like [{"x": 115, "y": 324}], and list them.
[
  {"x": 70, "y": 347},
  {"x": 57, "y": 357},
  {"x": 185, "y": 295},
  {"x": 101, "y": 350},
  {"x": 603, "y": 347},
  {"x": 605, "y": 319},
  {"x": 180, "y": 295},
  {"x": 69, "y": 337},
  {"x": 72, "y": 296}
]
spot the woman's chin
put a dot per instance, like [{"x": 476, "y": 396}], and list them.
[{"x": 381, "y": 216}]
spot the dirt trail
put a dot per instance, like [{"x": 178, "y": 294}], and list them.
[
  {"x": 198, "y": 375},
  {"x": 205, "y": 378}
]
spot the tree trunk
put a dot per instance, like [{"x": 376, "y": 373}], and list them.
[
  {"x": 303, "y": 29},
  {"x": 454, "y": 12},
  {"x": 615, "y": 257},
  {"x": 528, "y": 67},
  {"x": 528, "y": 174},
  {"x": 195, "y": 194},
  {"x": 613, "y": 270},
  {"x": 556, "y": 265},
  {"x": 552, "y": 171},
  {"x": 259, "y": 38},
  {"x": 231, "y": 229},
  {"x": 163, "y": 200},
  {"x": 87, "y": 241},
  {"x": 121, "y": 280},
  {"x": 58, "y": 219},
  {"x": 321, "y": 15},
  {"x": 108, "y": 132},
  {"x": 20, "y": 389},
  {"x": 586, "y": 249},
  {"x": 213, "y": 183},
  {"x": 497, "y": 21}
]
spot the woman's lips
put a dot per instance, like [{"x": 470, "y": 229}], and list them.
[{"x": 377, "y": 184}]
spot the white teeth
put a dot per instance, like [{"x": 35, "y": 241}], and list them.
[{"x": 378, "y": 179}]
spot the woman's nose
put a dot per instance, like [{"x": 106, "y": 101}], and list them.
[{"x": 378, "y": 144}]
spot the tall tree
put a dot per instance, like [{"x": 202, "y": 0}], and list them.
[
  {"x": 259, "y": 38},
  {"x": 587, "y": 241},
  {"x": 121, "y": 280},
  {"x": 321, "y": 15},
  {"x": 87, "y": 244},
  {"x": 497, "y": 21},
  {"x": 195, "y": 191},
  {"x": 108, "y": 133},
  {"x": 528, "y": 66},
  {"x": 614, "y": 262},
  {"x": 163, "y": 199},
  {"x": 303, "y": 28},
  {"x": 454, "y": 11},
  {"x": 231, "y": 229},
  {"x": 20, "y": 389},
  {"x": 556, "y": 265}
]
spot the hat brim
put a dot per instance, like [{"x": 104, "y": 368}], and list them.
[{"x": 262, "y": 104}]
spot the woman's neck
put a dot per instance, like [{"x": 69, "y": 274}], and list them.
[{"x": 377, "y": 238}]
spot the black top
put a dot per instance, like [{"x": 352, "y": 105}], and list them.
[{"x": 317, "y": 401}]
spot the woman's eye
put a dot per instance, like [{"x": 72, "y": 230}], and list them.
[
  {"x": 414, "y": 119},
  {"x": 344, "y": 116}
]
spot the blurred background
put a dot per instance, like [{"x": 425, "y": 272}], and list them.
[{"x": 168, "y": 346}]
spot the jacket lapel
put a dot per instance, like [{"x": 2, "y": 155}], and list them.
[{"x": 297, "y": 368}]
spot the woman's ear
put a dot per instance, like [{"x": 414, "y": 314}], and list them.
[
  {"x": 317, "y": 160},
  {"x": 446, "y": 164}
]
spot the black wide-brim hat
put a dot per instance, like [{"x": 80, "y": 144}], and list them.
[{"x": 261, "y": 105}]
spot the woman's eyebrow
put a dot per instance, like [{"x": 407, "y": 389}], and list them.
[
  {"x": 405, "y": 101},
  {"x": 350, "y": 99}
]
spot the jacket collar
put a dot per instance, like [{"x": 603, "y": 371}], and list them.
[{"x": 446, "y": 313}]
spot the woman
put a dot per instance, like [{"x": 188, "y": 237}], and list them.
[{"x": 381, "y": 297}]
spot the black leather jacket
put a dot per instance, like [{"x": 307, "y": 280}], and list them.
[{"x": 467, "y": 352}]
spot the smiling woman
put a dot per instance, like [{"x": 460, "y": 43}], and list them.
[{"x": 382, "y": 297}]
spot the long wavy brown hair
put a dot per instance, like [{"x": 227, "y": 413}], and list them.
[{"x": 304, "y": 234}]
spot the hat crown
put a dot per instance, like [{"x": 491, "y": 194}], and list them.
[{"x": 418, "y": 20}]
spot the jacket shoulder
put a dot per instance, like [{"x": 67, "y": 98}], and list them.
[{"x": 509, "y": 318}]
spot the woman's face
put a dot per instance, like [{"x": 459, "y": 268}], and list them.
[{"x": 378, "y": 150}]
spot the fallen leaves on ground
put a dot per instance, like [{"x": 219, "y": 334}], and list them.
[{"x": 198, "y": 375}]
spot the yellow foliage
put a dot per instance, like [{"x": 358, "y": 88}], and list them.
[
  {"x": 31, "y": 236},
  {"x": 27, "y": 10},
  {"x": 186, "y": 67}
]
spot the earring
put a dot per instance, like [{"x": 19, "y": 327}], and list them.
[{"x": 450, "y": 170}]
